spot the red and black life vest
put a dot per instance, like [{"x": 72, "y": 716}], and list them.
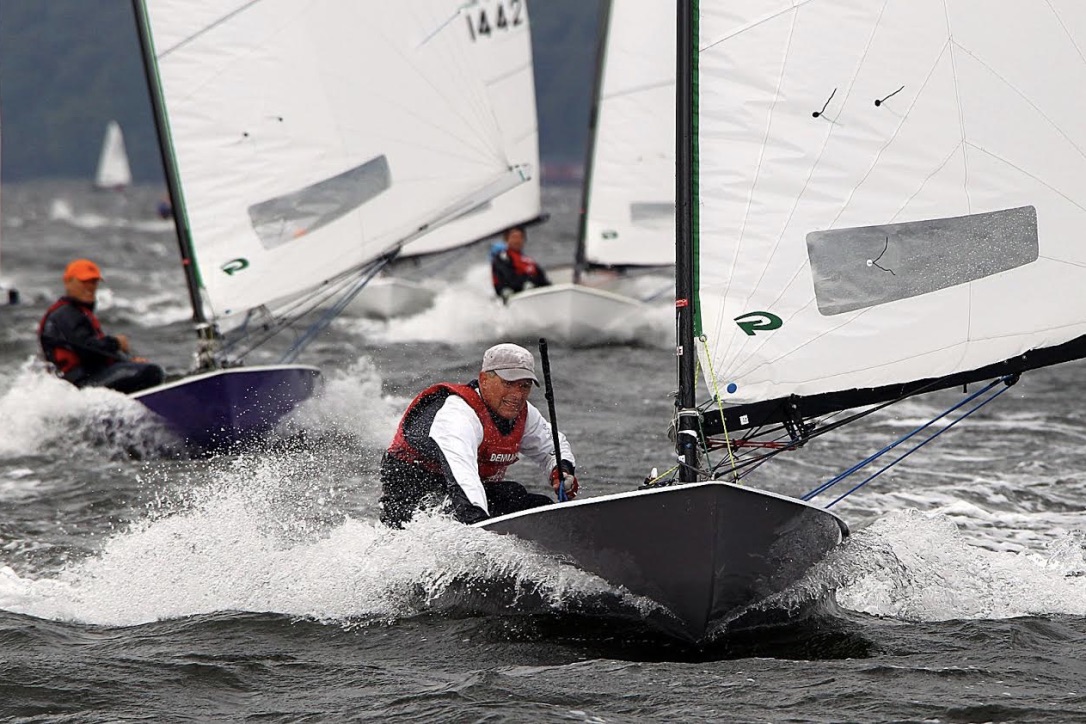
[
  {"x": 524, "y": 269},
  {"x": 523, "y": 264},
  {"x": 64, "y": 359},
  {"x": 497, "y": 451}
]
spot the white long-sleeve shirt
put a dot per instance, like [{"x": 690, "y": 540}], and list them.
[{"x": 458, "y": 432}]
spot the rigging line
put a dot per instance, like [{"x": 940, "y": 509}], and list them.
[
  {"x": 287, "y": 315},
  {"x": 909, "y": 452},
  {"x": 1063, "y": 26},
  {"x": 720, "y": 406},
  {"x": 290, "y": 315},
  {"x": 332, "y": 312},
  {"x": 1028, "y": 174},
  {"x": 753, "y": 462},
  {"x": 207, "y": 28},
  {"x": 1052, "y": 124},
  {"x": 960, "y": 106},
  {"x": 702, "y": 441},
  {"x": 871, "y": 458},
  {"x": 654, "y": 85},
  {"x": 793, "y": 9},
  {"x": 454, "y": 16}
]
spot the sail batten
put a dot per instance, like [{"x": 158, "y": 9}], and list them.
[
  {"x": 310, "y": 143},
  {"x": 895, "y": 210}
]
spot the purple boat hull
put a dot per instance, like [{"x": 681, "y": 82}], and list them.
[{"x": 230, "y": 407}]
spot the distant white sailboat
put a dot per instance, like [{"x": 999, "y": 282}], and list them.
[
  {"x": 504, "y": 68},
  {"x": 628, "y": 208},
  {"x": 113, "y": 170}
]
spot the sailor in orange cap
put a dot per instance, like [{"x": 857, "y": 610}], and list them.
[{"x": 73, "y": 341}]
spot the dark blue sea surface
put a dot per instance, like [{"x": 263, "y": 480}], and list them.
[{"x": 139, "y": 582}]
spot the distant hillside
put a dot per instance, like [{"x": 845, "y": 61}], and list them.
[{"x": 68, "y": 67}]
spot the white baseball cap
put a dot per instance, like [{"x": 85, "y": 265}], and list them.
[{"x": 511, "y": 362}]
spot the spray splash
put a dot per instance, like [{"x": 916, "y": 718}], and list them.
[{"x": 285, "y": 534}]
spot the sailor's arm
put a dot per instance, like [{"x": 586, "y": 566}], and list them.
[
  {"x": 458, "y": 433},
  {"x": 538, "y": 443},
  {"x": 504, "y": 275}
]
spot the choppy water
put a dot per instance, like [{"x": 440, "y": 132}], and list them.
[{"x": 138, "y": 583}]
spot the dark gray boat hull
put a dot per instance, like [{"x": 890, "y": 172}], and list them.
[{"x": 705, "y": 551}]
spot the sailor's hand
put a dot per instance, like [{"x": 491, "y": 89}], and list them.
[
  {"x": 564, "y": 478},
  {"x": 122, "y": 342},
  {"x": 139, "y": 359}
]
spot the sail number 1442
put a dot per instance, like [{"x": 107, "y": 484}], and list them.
[{"x": 487, "y": 18}]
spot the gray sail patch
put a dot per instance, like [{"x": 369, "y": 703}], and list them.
[
  {"x": 652, "y": 212},
  {"x": 870, "y": 265},
  {"x": 292, "y": 216}
]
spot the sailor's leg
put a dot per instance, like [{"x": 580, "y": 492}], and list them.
[
  {"x": 405, "y": 489},
  {"x": 126, "y": 377},
  {"x": 511, "y": 497}
]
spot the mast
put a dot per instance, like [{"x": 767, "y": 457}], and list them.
[
  {"x": 169, "y": 164},
  {"x": 686, "y": 436},
  {"x": 603, "y": 24}
]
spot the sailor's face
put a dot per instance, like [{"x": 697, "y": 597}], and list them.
[
  {"x": 515, "y": 239},
  {"x": 506, "y": 399},
  {"x": 83, "y": 291}
]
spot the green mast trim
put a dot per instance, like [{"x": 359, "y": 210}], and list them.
[{"x": 178, "y": 209}]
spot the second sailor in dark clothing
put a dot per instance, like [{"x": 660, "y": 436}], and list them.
[
  {"x": 511, "y": 270},
  {"x": 455, "y": 443},
  {"x": 73, "y": 341}
]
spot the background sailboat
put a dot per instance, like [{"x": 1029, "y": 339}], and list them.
[
  {"x": 503, "y": 45},
  {"x": 625, "y": 247},
  {"x": 113, "y": 171},
  {"x": 291, "y": 140}
]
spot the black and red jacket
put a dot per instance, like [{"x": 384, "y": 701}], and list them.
[
  {"x": 512, "y": 270},
  {"x": 73, "y": 341}
]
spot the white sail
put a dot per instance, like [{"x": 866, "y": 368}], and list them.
[
  {"x": 889, "y": 191},
  {"x": 503, "y": 56},
  {"x": 631, "y": 186},
  {"x": 113, "y": 171},
  {"x": 311, "y": 138}
]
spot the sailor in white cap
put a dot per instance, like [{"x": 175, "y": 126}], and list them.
[{"x": 455, "y": 443}]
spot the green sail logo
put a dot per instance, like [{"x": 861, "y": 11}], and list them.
[
  {"x": 233, "y": 266},
  {"x": 758, "y": 322}
]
